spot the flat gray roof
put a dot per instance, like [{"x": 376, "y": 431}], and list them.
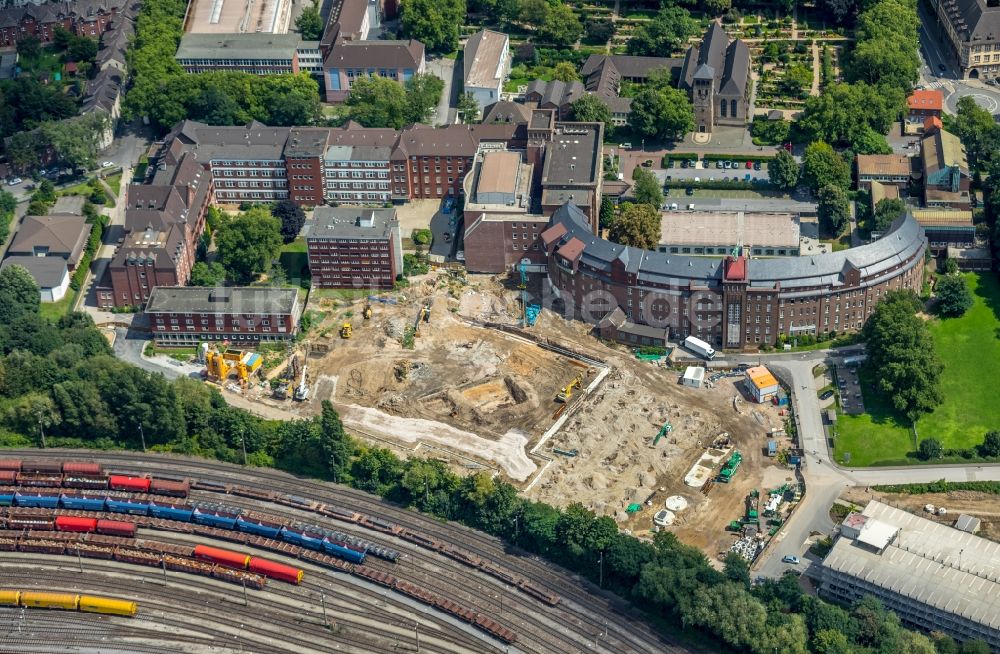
[
  {"x": 573, "y": 157},
  {"x": 237, "y": 46},
  {"x": 351, "y": 222},
  {"x": 950, "y": 570},
  {"x": 48, "y": 272},
  {"x": 698, "y": 228},
  {"x": 231, "y": 300},
  {"x": 237, "y": 16}
]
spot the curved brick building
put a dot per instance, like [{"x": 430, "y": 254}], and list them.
[{"x": 732, "y": 302}]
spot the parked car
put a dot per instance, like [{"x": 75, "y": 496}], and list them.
[
  {"x": 788, "y": 558},
  {"x": 727, "y": 164},
  {"x": 749, "y": 165},
  {"x": 747, "y": 177},
  {"x": 690, "y": 207},
  {"x": 942, "y": 67},
  {"x": 689, "y": 191},
  {"x": 826, "y": 395},
  {"x": 673, "y": 206},
  {"x": 684, "y": 163},
  {"x": 626, "y": 146},
  {"x": 107, "y": 164},
  {"x": 756, "y": 165},
  {"x": 718, "y": 164},
  {"x": 670, "y": 163},
  {"x": 14, "y": 181}
]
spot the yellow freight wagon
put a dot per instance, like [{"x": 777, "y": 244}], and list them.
[
  {"x": 91, "y": 604},
  {"x": 66, "y": 601},
  {"x": 10, "y": 598}
]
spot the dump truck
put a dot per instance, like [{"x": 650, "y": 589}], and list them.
[
  {"x": 699, "y": 347},
  {"x": 729, "y": 470}
]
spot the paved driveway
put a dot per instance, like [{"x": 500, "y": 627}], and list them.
[{"x": 451, "y": 75}]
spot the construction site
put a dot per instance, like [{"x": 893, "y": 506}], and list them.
[{"x": 453, "y": 368}]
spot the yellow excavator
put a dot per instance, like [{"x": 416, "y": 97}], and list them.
[
  {"x": 367, "y": 313},
  {"x": 567, "y": 392},
  {"x": 346, "y": 330}
]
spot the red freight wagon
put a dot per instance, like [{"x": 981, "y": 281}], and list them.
[
  {"x": 82, "y": 468},
  {"x": 53, "y": 468},
  {"x": 69, "y": 523},
  {"x": 120, "y": 482},
  {"x": 10, "y": 464},
  {"x": 222, "y": 557},
  {"x": 168, "y": 487},
  {"x": 7, "y": 476},
  {"x": 275, "y": 570},
  {"x": 116, "y": 528}
]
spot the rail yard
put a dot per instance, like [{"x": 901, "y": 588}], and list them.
[{"x": 411, "y": 582}]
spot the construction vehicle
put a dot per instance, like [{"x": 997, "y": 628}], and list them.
[
  {"x": 346, "y": 330},
  {"x": 217, "y": 367},
  {"x": 571, "y": 453},
  {"x": 524, "y": 276},
  {"x": 287, "y": 377},
  {"x": 664, "y": 430},
  {"x": 367, "y": 313},
  {"x": 425, "y": 315},
  {"x": 567, "y": 392},
  {"x": 302, "y": 390},
  {"x": 732, "y": 465}
]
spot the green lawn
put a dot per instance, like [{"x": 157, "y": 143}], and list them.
[
  {"x": 56, "y": 310},
  {"x": 295, "y": 260},
  {"x": 969, "y": 348}
]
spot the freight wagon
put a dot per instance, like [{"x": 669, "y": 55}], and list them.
[
  {"x": 241, "y": 561},
  {"x": 85, "y": 475},
  {"x": 67, "y": 602}
]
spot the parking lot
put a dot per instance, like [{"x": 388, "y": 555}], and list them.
[{"x": 849, "y": 386}]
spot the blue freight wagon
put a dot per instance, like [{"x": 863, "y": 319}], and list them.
[
  {"x": 36, "y": 500},
  {"x": 219, "y": 520},
  {"x": 170, "y": 512},
  {"x": 82, "y": 503},
  {"x": 131, "y": 508},
  {"x": 259, "y": 528}
]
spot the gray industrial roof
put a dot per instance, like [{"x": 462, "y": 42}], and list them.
[
  {"x": 230, "y": 300},
  {"x": 950, "y": 570},
  {"x": 904, "y": 239},
  {"x": 573, "y": 156}
]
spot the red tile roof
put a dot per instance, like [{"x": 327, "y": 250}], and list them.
[
  {"x": 553, "y": 233},
  {"x": 572, "y": 250},
  {"x": 736, "y": 269},
  {"x": 932, "y": 122},
  {"x": 933, "y": 100}
]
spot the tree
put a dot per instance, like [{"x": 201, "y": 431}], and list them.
[
  {"x": 901, "y": 356},
  {"x": 378, "y": 102},
  {"x": 886, "y": 211},
  {"x": 207, "y": 274},
  {"x": 943, "y": 643},
  {"x": 953, "y": 296},
  {"x": 883, "y": 62},
  {"x": 637, "y": 225},
  {"x": 561, "y": 26},
  {"x": 19, "y": 294},
  {"x": 930, "y": 448},
  {"x": 292, "y": 219},
  {"x": 564, "y": 71},
  {"x": 589, "y": 108},
  {"x": 834, "y": 209},
  {"x": 990, "y": 446},
  {"x": 979, "y": 133},
  {"x": 607, "y": 216},
  {"x": 783, "y": 170},
  {"x": 736, "y": 569},
  {"x": 735, "y": 615},
  {"x": 248, "y": 243},
  {"x": 76, "y": 140},
  {"x": 423, "y": 92},
  {"x": 975, "y": 647},
  {"x": 796, "y": 81},
  {"x": 33, "y": 414},
  {"x": 82, "y": 49},
  {"x": 821, "y": 166},
  {"x": 845, "y": 114},
  {"x": 661, "y": 112},
  {"x": 29, "y": 47},
  {"x": 435, "y": 23},
  {"x": 334, "y": 442},
  {"x": 467, "y": 108},
  {"x": 666, "y": 33},
  {"x": 215, "y": 107},
  {"x": 829, "y": 641},
  {"x": 646, "y": 188},
  {"x": 598, "y": 29},
  {"x": 950, "y": 266},
  {"x": 310, "y": 23}
]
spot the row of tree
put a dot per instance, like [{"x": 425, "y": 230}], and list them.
[
  {"x": 74, "y": 142},
  {"x": 381, "y": 102},
  {"x": 164, "y": 93}
]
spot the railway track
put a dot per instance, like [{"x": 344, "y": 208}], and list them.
[
  {"x": 275, "y": 626},
  {"x": 596, "y": 616}
]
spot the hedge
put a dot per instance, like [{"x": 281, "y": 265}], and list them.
[
  {"x": 743, "y": 158},
  {"x": 93, "y": 242},
  {"x": 718, "y": 185},
  {"x": 941, "y": 486}
]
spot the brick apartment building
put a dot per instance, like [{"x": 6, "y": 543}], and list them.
[
  {"x": 354, "y": 248},
  {"x": 164, "y": 219},
  {"x": 84, "y": 18},
  {"x": 346, "y": 165},
  {"x": 185, "y": 316}
]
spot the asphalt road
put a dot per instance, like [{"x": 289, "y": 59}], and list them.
[{"x": 451, "y": 75}]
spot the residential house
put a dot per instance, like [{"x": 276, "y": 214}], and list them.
[
  {"x": 243, "y": 316},
  {"x": 555, "y": 95},
  {"x": 603, "y": 76},
  {"x": 352, "y": 247},
  {"x": 946, "y": 170},
  {"x": 57, "y": 235},
  {"x": 716, "y": 74},
  {"x": 104, "y": 96},
  {"x": 923, "y": 104},
  {"x": 50, "y": 273},
  {"x": 485, "y": 66},
  {"x": 972, "y": 29},
  {"x": 348, "y": 60},
  {"x": 83, "y": 18}
]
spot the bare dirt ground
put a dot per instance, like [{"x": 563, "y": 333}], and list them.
[
  {"x": 984, "y": 506},
  {"x": 488, "y": 396}
]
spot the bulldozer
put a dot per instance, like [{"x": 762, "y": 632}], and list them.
[
  {"x": 346, "y": 330},
  {"x": 567, "y": 392}
]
